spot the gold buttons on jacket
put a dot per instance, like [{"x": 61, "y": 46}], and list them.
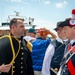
[
  {"x": 13, "y": 71},
  {"x": 21, "y": 71},
  {"x": 21, "y": 58},
  {"x": 21, "y": 67},
  {"x": 21, "y": 47},
  {"x": 21, "y": 63},
  {"x": 23, "y": 53}
]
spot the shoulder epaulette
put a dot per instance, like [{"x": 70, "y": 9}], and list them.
[{"x": 29, "y": 45}]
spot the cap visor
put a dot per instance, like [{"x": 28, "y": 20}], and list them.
[{"x": 55, "y": 29}]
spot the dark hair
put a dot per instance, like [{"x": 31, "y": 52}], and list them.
[{"x": 14, "y": 21}]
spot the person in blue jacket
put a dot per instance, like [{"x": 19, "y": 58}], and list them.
[{"x": 39, "y": 47}]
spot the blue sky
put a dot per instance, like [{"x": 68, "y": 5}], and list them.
[{"x": 46, "y": 13}]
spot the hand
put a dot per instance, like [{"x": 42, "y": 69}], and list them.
[
  {"x": 5, "y": 68},
  {"x": 47, "y": 30}
]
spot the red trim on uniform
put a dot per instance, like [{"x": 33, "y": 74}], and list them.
[
  {"x": 70, "y": 65},
  {"x": 71, "y": 68}
]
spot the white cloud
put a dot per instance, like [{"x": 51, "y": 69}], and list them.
[
  {"x": 44, "y": 23},
  {"x": 19, "y": 1},
  {"x": 42, "y": 1},
  {"x": 47, "y": 2},
  {"x": 7, "y": 0},
  {"x": 65, "y": 2},
  {"x": 61, "y": 4},
  {"x": 16, "y": 1}
]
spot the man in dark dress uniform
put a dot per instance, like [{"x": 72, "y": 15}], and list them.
[
  {"x": 69, "y": 65},
  {"x": 20, "y": 53}
]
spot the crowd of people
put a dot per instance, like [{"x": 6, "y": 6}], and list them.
[{"x": 37, "y": 54}]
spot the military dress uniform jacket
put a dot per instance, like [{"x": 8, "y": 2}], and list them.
[
  {"x": 22, "y": 64},
  {"x": 70, "y": 67}
]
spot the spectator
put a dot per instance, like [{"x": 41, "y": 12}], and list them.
[
  {"x": 39, "y": 48},
  {"x": 31, "y": 35},
  {"x": 54, "y": 52}
]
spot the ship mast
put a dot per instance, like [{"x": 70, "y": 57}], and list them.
[
  {"x": 28, "y": 21},
  {"x": 17, "y": 13}
]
